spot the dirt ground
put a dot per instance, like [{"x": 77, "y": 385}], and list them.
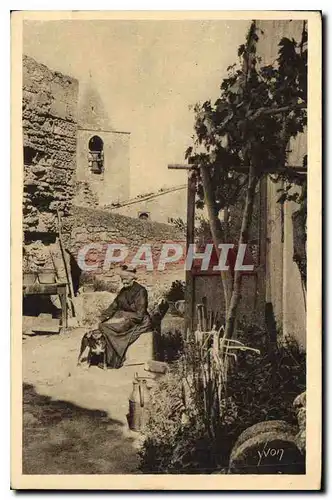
[{"x": 74, "y": 419}]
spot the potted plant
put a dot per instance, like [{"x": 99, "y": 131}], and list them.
[{"x": 46, "y": 276}]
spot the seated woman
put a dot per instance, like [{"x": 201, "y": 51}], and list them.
[{"x": 125, "y": 319}]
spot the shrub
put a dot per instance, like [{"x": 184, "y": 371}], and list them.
[
  {"x": 264, "y": 388},
  {"x": 173, "y": 442},
  {"x": 164, "y": 425},
  {"x": 192, "y": 435},
  {"x": 176, "y": 292},
  {"x": 169, "y": 345},
  {"x": 169, "y": 334}
]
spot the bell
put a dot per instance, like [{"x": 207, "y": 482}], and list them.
[{"x": 95, "y": 166}]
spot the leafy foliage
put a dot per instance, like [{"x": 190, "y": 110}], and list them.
[
  {"x": 265, "y": 388},
  {"x": 176, "y": 292},
  {"x": 164, "y": 426},
  {"x": 169, "y": 345},
  {"x": 259, "y": 388},
  {"x": 259, "y": 109},
  {"x": 178, "y": 223}
]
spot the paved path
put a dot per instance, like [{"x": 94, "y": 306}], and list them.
[{"x": 74, "y": 419}]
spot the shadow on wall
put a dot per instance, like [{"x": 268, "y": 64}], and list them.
[
  {"x": 62, "y": 438},
  {"x": 75, "y": 272},
  {"x": 34, "y": 305}
]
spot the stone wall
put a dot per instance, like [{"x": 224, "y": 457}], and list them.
[
  {"x": 49, "y": 141},
  {"x": 160, "y": 207},
  {"x": 90, "y": 225}
]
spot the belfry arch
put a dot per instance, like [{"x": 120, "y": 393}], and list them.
[{"x": 96, "y": 154}]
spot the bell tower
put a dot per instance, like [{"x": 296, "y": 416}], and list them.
[{"x": 102, "y": 151}]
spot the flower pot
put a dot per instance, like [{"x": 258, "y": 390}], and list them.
[{"x": 46, "y": 277}]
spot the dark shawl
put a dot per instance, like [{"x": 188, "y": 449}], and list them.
[{"x": 131, "y": 305}]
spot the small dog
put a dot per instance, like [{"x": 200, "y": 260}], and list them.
[{"x": 93, "y": 347}]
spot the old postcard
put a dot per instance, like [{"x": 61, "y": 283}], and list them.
[{"x": 166, "y": 249}]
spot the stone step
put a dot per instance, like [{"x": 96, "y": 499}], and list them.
[{"x": 140, "y": 351}]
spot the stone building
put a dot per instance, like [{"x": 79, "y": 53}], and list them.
[
  {"x": 49, "y": 125},
  {"x": 284, "y": 289},
  {"x": 103, "y": 162},
  {"x": 74, "y": 155},
  {"x": 76, "y": 167},
  {"x": 49, "y": 119},
  {"x": 165, "y": 205},
  {"x": 71, "y": 151}
]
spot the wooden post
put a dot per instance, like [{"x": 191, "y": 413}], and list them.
[
  {"x": 216, "y": 231},
  {"x": 205, "y": 314},
  {"x": 199, "y": 313},
  {"x": 67, "y": 269},
  {"x": 190, "y": 279},
  {"x": 268, "y": 318},
  {"x": 62, "y": 292}
]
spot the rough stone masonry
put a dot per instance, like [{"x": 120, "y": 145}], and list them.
[
  {"x": 49, "y": 140},
  {"x": 50, "y": 125}
]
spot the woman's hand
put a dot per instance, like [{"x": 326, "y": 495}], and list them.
[{"x": 117, "y": 320}]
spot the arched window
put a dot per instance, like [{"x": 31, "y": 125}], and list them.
[
  {"x": 96, "y": 154},
  {"x": 144, "y": 215}
]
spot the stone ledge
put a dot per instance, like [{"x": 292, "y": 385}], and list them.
[{"x": 141, "y": 350}]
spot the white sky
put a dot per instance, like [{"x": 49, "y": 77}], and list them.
[{"x": 148, "y": 73}]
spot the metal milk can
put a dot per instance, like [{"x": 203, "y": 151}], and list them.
[{"x": 138, "y": 405}]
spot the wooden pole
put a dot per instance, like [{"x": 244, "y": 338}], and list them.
[
  {"x": 205, "y": 314},
  {"x": 190, "y": 284},
  {"x": 298, "y": 169},
  {"x": 216, "y": 231},
  {"x": 68, "y": 274},
  {"x": 180, "y": 166},
  {"x": 245, "y": 227},
  {"x": 215, "y": 227}
]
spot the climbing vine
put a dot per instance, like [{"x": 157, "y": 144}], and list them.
[{"x": 245, "y": 134}]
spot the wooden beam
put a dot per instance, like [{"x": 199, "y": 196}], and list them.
[
  {"x": 241, "y": 169},
  {"x": 180, "y": 166},
  {"x": 67, "y": 269},
  {"x": 190, "y": 285}
]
